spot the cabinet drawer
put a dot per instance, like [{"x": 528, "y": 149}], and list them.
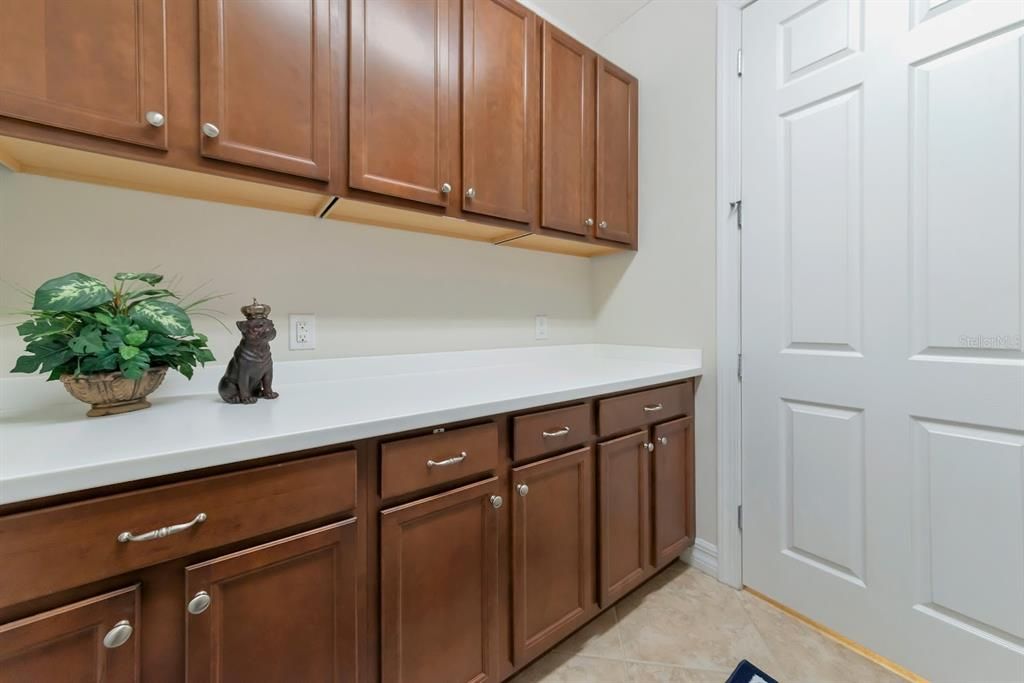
[
  {"x": 44, "y": 551},
  {"x": 550, "y": 431},
  {"x": 644, "y": 407},
  {"x": 424, "y": 461}
]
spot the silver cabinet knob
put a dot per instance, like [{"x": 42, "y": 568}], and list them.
[
  {"x": 589, "y": 222},
  {"x": 603, "y": 225},
  {"x": 470, "y": 193},
  {"x": 446, "y": 188},
  {"x": 155, "y": 118},
  {"x": 210, "y": 130},
  {"x": 119, "y": 635},
  {"x": 663, "y": 440},
  {"x": 522, "y": 490},
  {"x": 649, "y": 446},
  {"x": 496, "y": 502},
  {"x": 199, "y": 603}
]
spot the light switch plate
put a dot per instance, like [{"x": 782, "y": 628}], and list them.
[{"x": 301, "y": 331}]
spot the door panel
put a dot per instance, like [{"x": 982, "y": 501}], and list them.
[
  {"x": 264, "y": 74},
  {"x": 552, "y": 551},
  {"x": 403, "y": 113},
  {"x": 94, "y": 66},
  {"x": 617, "y": 104},
  {"x": 567, "y": 133},
  {"x": 283, "y": 611},
  {"x": 883, "y": 362},
  {"x": 500, "y": 109},
  {"x": 623, "y": 481},
  {"x": 67, "y": 643},
  {"x": 439, "y": 589},
  {"x": 672, "y": 490}
]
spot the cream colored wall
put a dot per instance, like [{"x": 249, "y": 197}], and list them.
[
  {"x": 373, "y": 290},
  {"x": 665, "y": 294}
]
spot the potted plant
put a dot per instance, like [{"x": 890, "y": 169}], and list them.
[{"x": 110, "y": 346}]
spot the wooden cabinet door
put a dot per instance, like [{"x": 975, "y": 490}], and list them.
[
  {"x": 280, "y": 612},
  {"x": 500, "y": 109},
  {"x": 567, "y": 134},
  {"x": 616, "y": 154},
  {"x": 94, "y": 66},
  {"x": 672, "y": 490},
  {"x": 439, "y": 590},
  {"x": 403, "y": 113},
  {"x": 623, "y": 482},
  {"x": 264, "y": 84},
  {"x": 84, "y": 641},
  {"x": 552, "y": 551}
]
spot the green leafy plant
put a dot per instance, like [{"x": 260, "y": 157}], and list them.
[{"x": 79, "y": 325}]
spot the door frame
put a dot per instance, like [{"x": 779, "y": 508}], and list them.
[{"x": 728, "y": 324}]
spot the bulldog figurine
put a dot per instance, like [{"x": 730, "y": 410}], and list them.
[{"x": 250, "y": 372}]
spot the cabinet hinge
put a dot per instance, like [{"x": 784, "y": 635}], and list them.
[
  {"x": 739, "y": 63},
  {"x": 737, "y": 206},
  {"x": 739, "y": 366}
]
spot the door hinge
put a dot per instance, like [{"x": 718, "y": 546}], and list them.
[
  {"x": 739, "y": 517},
  {"x": 739, "y": 366},
  {"x": 739, "y": 63},
  {"x": 737, "y": 206}
]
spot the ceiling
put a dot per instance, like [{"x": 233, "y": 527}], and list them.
[{"x": 588, "y": 20}]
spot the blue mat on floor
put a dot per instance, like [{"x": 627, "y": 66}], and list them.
[{"x": 748, "y": 673}]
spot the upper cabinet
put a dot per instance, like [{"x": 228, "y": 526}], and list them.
[
  {"x": 264, "y": 81},
  {"x": 567, "y": 129},
  {"x": 404, "y": 98},
  {"x": 500, "y": 109},
  {"x": 92, "y": 67},
  {"x": 616, "y": 153}
]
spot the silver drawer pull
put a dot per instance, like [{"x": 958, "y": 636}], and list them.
[
  {"x": 449, "y": 461},
  {"x": 653, "y": 408},
  {"x": 127, "y": 536},
  {"x": 119, "y": 635},
  {"x": 561, "y": 432}
]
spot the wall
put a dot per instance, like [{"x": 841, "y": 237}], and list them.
[
  {"x": 373, "y": 290},
  {"x": 665, "y": 294}
]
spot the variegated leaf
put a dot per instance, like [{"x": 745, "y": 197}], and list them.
[
  {"x": 162, "y": 316},
  {"x": 71, "y": 292}
]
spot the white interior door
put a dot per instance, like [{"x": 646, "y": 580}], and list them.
[{"x": 883, "y": 366}]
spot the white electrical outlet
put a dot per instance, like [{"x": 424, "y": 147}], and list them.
[
  {"x": 301, "y": 331},
  {"x": 540, "y": 327}
]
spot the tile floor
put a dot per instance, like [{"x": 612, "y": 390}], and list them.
[{"x": 685, "y": 627}]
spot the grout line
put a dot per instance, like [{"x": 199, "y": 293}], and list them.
[{"x": 851, "y": 645}]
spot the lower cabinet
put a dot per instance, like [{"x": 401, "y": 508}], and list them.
[
  {"x": 92, "y": 640},
  {"x": 672, "y": 505},
  {"x": 439, "y": 587},
  {"x": 552, "y": 551},
  {"x": 623, "y": 480},
  {"x": 280, "y": 612}
]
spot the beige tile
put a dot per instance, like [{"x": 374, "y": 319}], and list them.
[
  {"x": 690, "y": 621},
  {"x": 654, "y": 673},
  {"x": 563, "y": 667},
  {"x": 804, "y": 655},
  {"x": 599, "y": 638}
]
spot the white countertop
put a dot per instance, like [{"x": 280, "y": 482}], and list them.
[{"x": 48, "y": 446}]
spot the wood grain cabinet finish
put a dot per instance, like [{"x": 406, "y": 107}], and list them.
[
  {"x": 617, "y": 109},
  {"x": 403, "y": 112},
  {"x": 623, "y": 480},
  {"x": 439, "y": 588},
  {"x": 641, "y": 408},
  {"x": 92, "y": 66},
  {"x": 280, "y": 612},
  {"x": 264, "y": 81},
  {"x": 67, "y": 643},
  {"x": 422, "y": 462},
  {"x": 500, "y": 109},
  {"x": 550, "y": 431},
  {"x": 552, "y": 551},
  {"x": 567, "y": 134},
  {"x": 672, "y": 486}
]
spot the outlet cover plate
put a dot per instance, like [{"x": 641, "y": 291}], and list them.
[
  {"x": 301, "y": 331},
  {"x": 540, "y": 327}
]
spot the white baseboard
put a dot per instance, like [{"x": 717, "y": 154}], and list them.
[{"x": 703, "y": 556}]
